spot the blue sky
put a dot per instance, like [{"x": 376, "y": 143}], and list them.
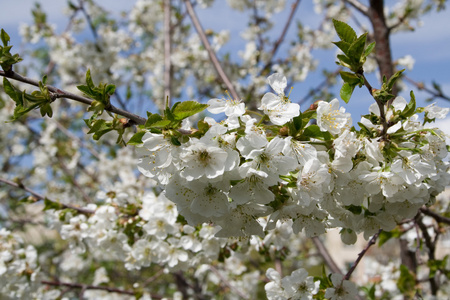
[{"x": 429, "y": 44}]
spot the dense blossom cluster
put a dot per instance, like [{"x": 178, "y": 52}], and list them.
[
  {"x": 239, "y": 171},
  {"x": 222, "y": 206}
]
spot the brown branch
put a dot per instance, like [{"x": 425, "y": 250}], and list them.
[
  {"x": 421, "y": 86},
  {"x": 58, "y": 93},
  {"x": 167, "y": 52},
  {"x": 93, "y": 287},
  {"x": 381, "y": 34},
  {"x": 207, "y": 45},
  {"x": 431, "y": 245},
  {"x": 359, "y": 6},
  {"x": 440, "y": 219},
  {"x": 329, "y": 261},
  {"x": 282, "y": 36},
  {"x": 361, "y": 254},
  {"x": 41, "y": 197}
]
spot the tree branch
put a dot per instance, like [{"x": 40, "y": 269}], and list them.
[
  {"x": 440, "y": 219},
  {"x": 282, "y": 36},
  {"x": 381, "y": 35},
  {"x": 359, "y": 6},
  {"x": 326, "y": 255},
  {"x": 65, "y": 94},
  {"x": 361, "y": 254},
  {"x": 207, "y": 45},
  {"x": 41, "y": 197},
  {"x": 93, "y": 287},
  {"x": 421, "y": 86}
]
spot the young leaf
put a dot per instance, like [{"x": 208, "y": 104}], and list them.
[
  {"x": 152, "y": 118},
  {"x": 347, "y": 91},
  {"x": 393, "y": 79},
  {"x": 357, "y": 48},
  {"x": 186, "y": 109},
  {"x": 350, "y": 77},
  {"x": 343, "y": 46},
  {"x": 369, "y": 49},
  {"x": 410, "y": 108},
  {"x": 11, "y": 92},
  {"x": 5, "y": 37},
  {"x": 136, "y": 139},
  {"x": 344, "y": 31}
]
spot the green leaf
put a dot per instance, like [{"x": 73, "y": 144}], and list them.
[
  {"x": 350, "y": 77},
  {"x": 347, "y": 91},
  {"x": 152, "y": 118},
  {"x": 406, "y": 282},
  {"x": 161, "y": 123},
  {"x": 136, "y": 139},
  {"x": 355, "y": 52},
  {"x": 343, "y": 46},
  {"x": 410, "y": 109},
  {"x": 344, "y": 61},
  {"x": 11, "y": 92},
  {"x": 393, "y": 79},
  {"x": 369, "y": 49},
  {"x": 110, "y": 89},
  {"x": 51, "y": 205},
  {"x": 97, "y": 125},
  {"x": 186, "y": 109},
  {"x": 4, "y": 37},
  {"x": 297, "y": 121},
  {"x": 344, "y": 31}
]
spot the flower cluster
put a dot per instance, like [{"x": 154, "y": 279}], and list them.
[{"x": 243, "y": 171}]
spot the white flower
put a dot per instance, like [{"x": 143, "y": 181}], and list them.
[
  {"x": 343, "y": 289},
  {"x": 434, "y": 112},
  {"x": 331, "y": 118},
  {"x": 271, "y": 159},
  {"x": 407, "y": 61},
  {"x": 299, "y": 286},
  {"x": 202, "y": 160},
  {"x": 278, "y": 107},
  {"x": 230, "y": 107},
  {"x": 158, "y": 156},
  {"x": 254, "y": 188}
]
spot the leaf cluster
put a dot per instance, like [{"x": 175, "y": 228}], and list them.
[
  {"x": 6, "y": 58},
  {"x": 171, "y": 121},
  {"x": 41, "y": 98},
  {"x": 354, "y": 56},
  {"x": 101, "y": 93}
]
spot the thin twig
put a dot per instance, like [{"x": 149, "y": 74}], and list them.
[
  {"x": 72, "y": 179},
  {"x": 225, "y": 282},
  {"x": 440, "y": 219},
  {"x": 359, "y": 6},
  {"x": 207, "y": 45},
  {"x": 167, "y": 52},
  {"x": 431, "y": 245},
  {"x": 421, "y": 86},
  {"x": 65, "y": 94},
  {"x": 93, "y": 287},
  {"x": 323, "y": 251},
  {"x": 361, "y": 254},
  {"x": 41, "y": 197},
  {"x": 282, "y": 36}
]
